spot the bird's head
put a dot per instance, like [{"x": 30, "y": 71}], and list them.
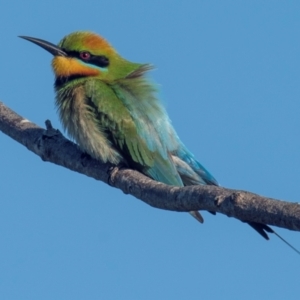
[{"x": 85, "y": 53}]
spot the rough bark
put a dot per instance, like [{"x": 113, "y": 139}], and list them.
[{"x": 52, "y": 146}]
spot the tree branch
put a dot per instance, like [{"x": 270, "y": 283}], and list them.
[{"x": 52, "y": 146}]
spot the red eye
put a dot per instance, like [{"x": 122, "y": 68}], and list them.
[{"x": 85, "y": 55}]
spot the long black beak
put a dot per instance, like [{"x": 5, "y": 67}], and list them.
[{"x": 53, "y": 49}]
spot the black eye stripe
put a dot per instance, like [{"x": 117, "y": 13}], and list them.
[{"x": 97, "y": 60}]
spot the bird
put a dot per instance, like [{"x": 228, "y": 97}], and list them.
[{"x": 110, "y": 108}]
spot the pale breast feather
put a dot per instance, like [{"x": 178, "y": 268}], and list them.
[{"x": 80, "y": 122}]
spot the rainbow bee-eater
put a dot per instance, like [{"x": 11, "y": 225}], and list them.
[{"x": 109, "y": 107}]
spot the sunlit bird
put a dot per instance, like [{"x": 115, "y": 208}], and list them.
[{"x": 110, "y": 108}]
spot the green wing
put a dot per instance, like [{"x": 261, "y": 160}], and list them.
[{"x": 120, "y": 128}]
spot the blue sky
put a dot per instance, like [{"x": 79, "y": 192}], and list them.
[{"x": 229, "y": 76}]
